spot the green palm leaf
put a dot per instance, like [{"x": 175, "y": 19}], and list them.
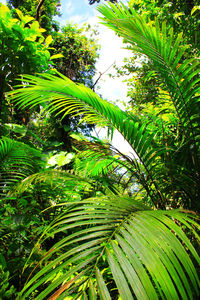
[
  {"x": 64, "y": 96},
  {"x": 17, "y": 162},
  {"x": 167, "y": 52},
  {"x": 144, "y": 249}
]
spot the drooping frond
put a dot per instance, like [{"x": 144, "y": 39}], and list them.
[
  {"x": 148, "y": 252},
  {"x": 66, "y": 180},
  {"x": 64, "y": 96},
  {"x": 167, "y": 52},
  {"x": 17, "y": 162}
]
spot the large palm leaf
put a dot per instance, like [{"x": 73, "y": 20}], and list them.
[
  {"x": 166, "y": 52},
  {"x": 64, "y": 96},
  {"x": 145, "y": 250}
]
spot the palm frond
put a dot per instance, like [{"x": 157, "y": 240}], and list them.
[
  {"x": 65, "y": 180},
  {"x": 64, "y": 96},
  {"x": 167, "y": 52},
  {"x": 148, "y": 252},
  {"x": 18, "y": 161}
]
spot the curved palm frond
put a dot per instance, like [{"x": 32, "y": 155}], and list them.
[
  {"x": 148, "y": 252},
  {"x": 55, "y": 178},
  {"x": 64, "y": 96},
  {"x": 18, "y": 161},
  {"x": 167, "y": 52}
]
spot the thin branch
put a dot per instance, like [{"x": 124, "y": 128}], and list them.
[
  {"x": 101, "y": 74},
  {"x": 38, "y": 9}
]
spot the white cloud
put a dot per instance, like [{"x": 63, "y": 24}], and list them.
[
  {"x": 67, "y": 8},
  {"x": 78, "y": 19}
]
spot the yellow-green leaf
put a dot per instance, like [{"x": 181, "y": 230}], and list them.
[
  {"x": 194, "y": 9},
  {"x": 4, "y": 9},
  {"x": 56, "y": 56},
  {"x": 19, "y": 13},
  {"x": 42, "y": 30},
  {"x": 27, "y": 19},
  {"x": 48, "y": 40}
]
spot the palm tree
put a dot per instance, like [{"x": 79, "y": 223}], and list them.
[{"x": 116, "y": 246}]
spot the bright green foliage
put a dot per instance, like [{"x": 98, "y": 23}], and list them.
[
  {"x": 20, "y": 223},
  {"x": 68, "y": 182},
  {"x": 143, "y": 85},
  {"x": 24, "y": 194},
  {"x": 18, "y": 36},
  {"x": 22, "y": 50},
  {"x": 180, "y": 80},
  {"x": 182, "y": 15},
  {"x": 67, "y": 97},
  {"x": 113, "y": 246},
  {"x": 22, "y": 40},
  {"x": 47, "y": 12}
]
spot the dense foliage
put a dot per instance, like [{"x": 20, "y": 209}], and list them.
[
  {"x": 43, "y": 13},
  {"x": 79, "y": 53},
  {"x": 22, "y": 51},
  {"x": 25, "y": 50},
  {"x": 183, "y": 16},
  {"x": 85, "y": 221}
]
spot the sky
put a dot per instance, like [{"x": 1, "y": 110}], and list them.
[
  {"x": 112, "y": 52},
  {"x": 79, "y": 11}
]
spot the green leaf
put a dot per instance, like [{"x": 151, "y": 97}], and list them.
[
  {"x": 48, "y": 40},
  {"x": 119, "y": 278},
  {"x": 103, "y": 291},
  {"x": 56, "y": 56},
  {"x": 19, "y": 13},
  {"x": 3, "y": 261},
  {"x": 195, "y": 8}
]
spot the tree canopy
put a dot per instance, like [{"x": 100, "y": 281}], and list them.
[{"x": 79, "y": 219}]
